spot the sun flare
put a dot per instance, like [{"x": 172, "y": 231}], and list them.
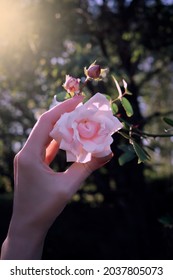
[{"x": 12, "y": 21}]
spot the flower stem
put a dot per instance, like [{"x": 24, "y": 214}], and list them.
[
  {"x": 143, "y": 133},
  {"x": 83, "y": 85},
  {"x": 116, "y": 99}
]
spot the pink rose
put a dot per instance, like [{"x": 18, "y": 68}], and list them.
[
  {"x": 71, "y": 84},
  {"x": 87, "y": 130}
]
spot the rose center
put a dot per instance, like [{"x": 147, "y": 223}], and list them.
[{"x": 88, "y": 129}]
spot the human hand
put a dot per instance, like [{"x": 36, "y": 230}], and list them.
[{"x": 40, "y": 194}]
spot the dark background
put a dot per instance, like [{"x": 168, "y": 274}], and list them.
[{"x": 121, "y": 212}]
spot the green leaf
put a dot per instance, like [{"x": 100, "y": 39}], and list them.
[
  {"x": 128, "y": 154},
  {"x": 61, "y": 96},
  {"x": 125, "y": 125},
  {"x": 166, "y": 221},
  {"x": 168, "y": 121},
  {"x": 127, "y": 106},
  {"x": 108, "y": 97},
  {"x": 141, "y": 153},
  {"x": 126, "y": 148},
  {"x": 126, "y": 157},
  {"x": 114, "y": 108}
]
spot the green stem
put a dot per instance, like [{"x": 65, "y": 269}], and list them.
[
  {"x": 140, "y": 133},
  {"x": 116, "y": 99}
]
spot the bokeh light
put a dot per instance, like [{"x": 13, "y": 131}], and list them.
[{"x": 12, "y": 22}]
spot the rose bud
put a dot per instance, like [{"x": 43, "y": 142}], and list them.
[
  {"x": 71, "y": 84},
  {"x": 94, "y": 71}
]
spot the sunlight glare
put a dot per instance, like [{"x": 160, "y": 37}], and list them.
[{"x": 12, "y": 21}]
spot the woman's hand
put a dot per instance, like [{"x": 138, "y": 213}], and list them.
[{"x": 40, "y": 194}]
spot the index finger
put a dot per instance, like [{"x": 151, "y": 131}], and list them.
[{"x": 39, "y": 137}]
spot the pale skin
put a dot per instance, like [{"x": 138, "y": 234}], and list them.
[{"x": 40, "y": 193}]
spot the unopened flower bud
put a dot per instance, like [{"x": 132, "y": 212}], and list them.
[
  {"x": 71, "y": 84},
  {"x": 94, "y": 71}
]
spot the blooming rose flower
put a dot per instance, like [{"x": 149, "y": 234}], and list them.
[
  {"x": 71, "y": 84},
  {"x": 87, "y": 130}
]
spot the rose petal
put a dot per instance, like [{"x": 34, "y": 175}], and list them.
[
  {"x": 88, "y": 129},
  {"x": 70, "y": 157},
  {"x": 94, "y": 147},
  {"x": 84, "y": 157},
  {"x": 100, "y": 101},
  {"x": 104, "y": 153}
]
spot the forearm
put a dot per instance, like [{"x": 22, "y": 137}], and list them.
[{"x": 22, "y": 243}]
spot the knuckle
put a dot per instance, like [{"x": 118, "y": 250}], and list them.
[{"x": 43, "y": 117}]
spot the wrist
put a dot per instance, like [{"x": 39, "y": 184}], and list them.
[{"x": 23, "y": 242}]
